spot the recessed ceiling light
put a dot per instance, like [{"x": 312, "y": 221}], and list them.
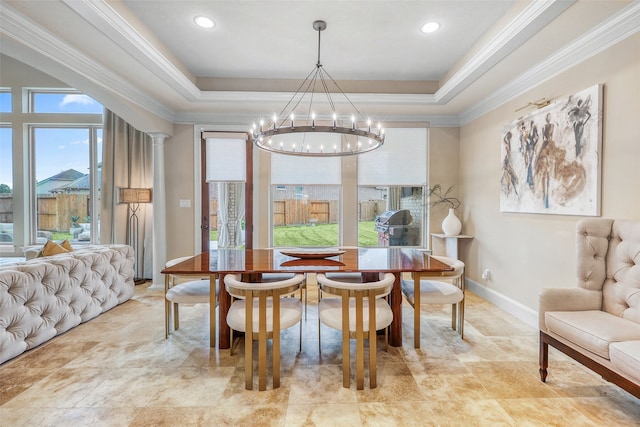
[
  {"x": 204, "y": 22},
  {"x": 430, "y": 27}
]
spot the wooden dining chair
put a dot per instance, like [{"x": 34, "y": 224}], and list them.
[
  {"x": 434, "y": 288},
  {"x": 261, "y": 310},
  {"x": 359, "y": 312}
]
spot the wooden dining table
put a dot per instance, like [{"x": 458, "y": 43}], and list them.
[{"x": 251, "y": 263}]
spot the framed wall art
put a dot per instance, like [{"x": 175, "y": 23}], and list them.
[{"x": 551, "y": 159}]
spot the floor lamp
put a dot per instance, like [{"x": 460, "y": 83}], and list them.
[{"x": 133, "y": 197}]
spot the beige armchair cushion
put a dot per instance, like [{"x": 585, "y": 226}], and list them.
[
  {"x": 290, "y": 314},
  {"x": 592, "y": 330},
  {"x": 626, "y": 357}
]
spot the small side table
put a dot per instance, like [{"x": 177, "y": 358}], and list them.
[{"x": 451, "y": 243}]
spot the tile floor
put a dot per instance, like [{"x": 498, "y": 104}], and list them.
[{"x": 118, "y": 370}]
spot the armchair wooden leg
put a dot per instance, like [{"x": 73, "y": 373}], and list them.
[
  {"x": 276, "y": 341},
  {"x": 262, "y": 344},
  {"x": 248, "y": 345},
  {"x": 346, "y": 362},
  {"x": 359, "y": 346},
  {"x": 373, "y": 336},
  {"x": 461, "y": 318},
  {"x": 167, "y": 318},
  {"x": 454, "y": 315},
  {"x": 176, "y": 317},
  {"x": 416, "y": 312},
  {"x": 544, "y": 358},
  {"x": 213, "y": 299},
  {"x": 167, "y": 308}
]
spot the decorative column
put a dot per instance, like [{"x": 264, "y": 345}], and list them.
[{"x": 159, "y": 212}]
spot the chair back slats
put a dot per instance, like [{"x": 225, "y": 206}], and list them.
[
  {"x": 354, "y": 298},
  {"x": 257, "y": 298}
]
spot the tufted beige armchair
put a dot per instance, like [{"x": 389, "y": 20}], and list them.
[{"x": 598, "y": 322}]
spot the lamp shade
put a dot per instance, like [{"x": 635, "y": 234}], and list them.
[
  {"x": 226, "y": 160},
  {"x": 135, "y": 195}
]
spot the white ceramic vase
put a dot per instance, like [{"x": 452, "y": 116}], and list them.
[{"x": 451, "y": 225}]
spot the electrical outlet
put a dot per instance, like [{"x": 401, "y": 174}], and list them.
[{"x": 486, "y": 274}]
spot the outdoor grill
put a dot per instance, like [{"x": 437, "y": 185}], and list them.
[{"x": 392, "y": 228}]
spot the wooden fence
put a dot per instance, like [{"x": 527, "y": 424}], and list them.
[
  {"x": 302, "y": 212},
  {"x": 368, "y": 210},
  {"x": 54, "y": 210},
  {"x": 6, "y": 208}
]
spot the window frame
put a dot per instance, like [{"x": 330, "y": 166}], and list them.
[{"x": 94, "y": 196}]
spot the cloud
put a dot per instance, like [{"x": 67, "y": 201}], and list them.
[
  {"x": 77, "y": 99},
  {"x": 61, "y": 147},
  {"x": 82, "y": 141}
]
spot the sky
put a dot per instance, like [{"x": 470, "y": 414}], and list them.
[{"x": 56, "y": 149}]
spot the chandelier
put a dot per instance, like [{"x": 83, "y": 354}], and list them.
[{"x": 298, "y": 130}]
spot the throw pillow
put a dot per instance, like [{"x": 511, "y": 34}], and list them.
[
  {"x": 67, "y": 245},
  {"x": 52, "y": 248}
]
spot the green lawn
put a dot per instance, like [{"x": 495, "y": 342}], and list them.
[
  {"x": 319, "y": 235},
  {"x": 299, "y": 235},
  {"x": 59, "y": 235}
]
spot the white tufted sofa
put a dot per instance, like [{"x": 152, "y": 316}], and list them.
[
  {"x": 598, "y": 323},
  {"x": 44, "y": 297}
]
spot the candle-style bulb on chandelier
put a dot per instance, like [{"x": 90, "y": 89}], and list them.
[{"x": 302, "y": 130}]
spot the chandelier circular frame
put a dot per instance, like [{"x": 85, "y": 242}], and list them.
[{"x": 352, "y": 139}]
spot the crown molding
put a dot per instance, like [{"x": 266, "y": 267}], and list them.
[
  {"x": 531, "y": 20},
  {"x": 615, "y": 29},
  {"x": 28, "y": 34},
  {"x": 240, "y": 120},
  {"x": 107, "y": 20}
]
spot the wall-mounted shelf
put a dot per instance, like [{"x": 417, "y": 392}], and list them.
[{"x": 450, "y": 243}]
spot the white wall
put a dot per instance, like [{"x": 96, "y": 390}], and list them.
[{"x": 525, "y": 252}]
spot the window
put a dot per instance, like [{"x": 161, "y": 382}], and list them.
[
  {"x": 225, "y": 175},
  {"x": 305, "y": 215},
  {"x": 69, "y": 102},
  {"x": 305, "y": 198},
  {"x": 5, "y": 100},
  {"x": 65, "y": 192},
  {"x": 402, "y": 208},
  {"x": 391, "y": 182},
  {"x": 59, "y": 205},
  {"x": 6, "y": 186}
]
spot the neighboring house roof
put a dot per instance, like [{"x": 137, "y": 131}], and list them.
[
  {"x": 81, "y": 184},
  {"x": 56, "y": 183}
]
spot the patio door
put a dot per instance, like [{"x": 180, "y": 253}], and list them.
[{"x": 226, "y": 190}]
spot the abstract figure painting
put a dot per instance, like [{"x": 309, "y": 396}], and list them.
[{"x": 551, "y": 159}]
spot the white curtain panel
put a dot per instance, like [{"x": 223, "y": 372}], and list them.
[
  {"x": 239, "y": 214},
  {"x": 224, "y": 238}
]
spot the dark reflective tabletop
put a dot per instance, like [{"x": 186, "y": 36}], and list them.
[{"x": 379, "y": 259}]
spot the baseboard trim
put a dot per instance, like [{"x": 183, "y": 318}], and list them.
[{"x": 525, "y": 314}]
